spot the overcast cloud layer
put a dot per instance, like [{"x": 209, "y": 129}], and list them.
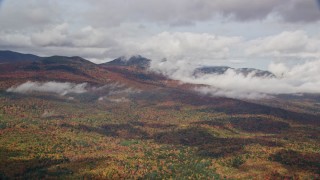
[
  {"x": 204, "y": 30},
  {"x": 187, "y": 33}
]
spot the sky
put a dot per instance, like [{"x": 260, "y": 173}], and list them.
[
  {"x": 230, "y": 32},
  {"x": 273, "y": 35}
]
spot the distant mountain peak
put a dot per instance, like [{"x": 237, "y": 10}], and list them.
[
  {"x": 219, "y": 70},
  {"x": 135, "y": 61}
]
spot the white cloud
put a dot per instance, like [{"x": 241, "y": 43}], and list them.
[
  {"x": 55, "y": 36},
  {"x": 8, "y": 40},
  {"x": 60, "y": 39},
  {"x": 104, "y": 44},
  {"x": 113, "y": 89},
  {"x": 182, "y": 46},
  {"x": 294, "y": 44},
  {"x": 279, "y": 69},
  {"x": 49, "y": 87},
  {"x": 302, "y": 74},
  {"x": 303, "y": 78},
  {"x": 20, "y": 14},
  {"x": 100, "y": 45},
  {"x": 115, "y": 92}
]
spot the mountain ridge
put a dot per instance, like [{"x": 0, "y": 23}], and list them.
[
  {"x": 7, "y": 56},
  {"x": 137, "y": 61},
  {"x": 220, "y": 70}
]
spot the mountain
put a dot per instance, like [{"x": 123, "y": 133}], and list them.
[
  {"x": 16, "y": 57},
  {"x": 68, "y": 118},
  {"x": 134, "y": 61},
  {"x": 255, "y": 72},
  {"x": 219, "y": 70},
  {"x": 211, "y": 70},
  {"x": 54, "y": 68},
  {"x": 76, "y": 69},
  {"x": 13, "y": 57}
]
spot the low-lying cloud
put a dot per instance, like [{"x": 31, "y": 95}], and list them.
[
  {"x": 49, "y": 87},
  {"x": 115, "y": 92},
  {"x": 302, "y": 78}
]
